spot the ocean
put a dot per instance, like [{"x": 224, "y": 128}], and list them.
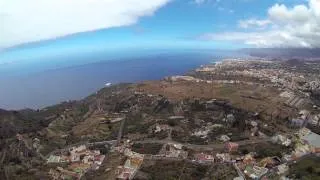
[{"x": 45, "y": 88}]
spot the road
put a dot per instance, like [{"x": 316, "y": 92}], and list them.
[
  {"x": 239, "y": 171},
  {"x": 78, "y": 144},
  {"x": 216, "y": 146},
  {"x": 121, "y": 131}
]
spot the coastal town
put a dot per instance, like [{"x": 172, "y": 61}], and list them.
[{"x": 235, "y": 119}]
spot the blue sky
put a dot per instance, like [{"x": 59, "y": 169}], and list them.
[{"x": 32, "y": 31}]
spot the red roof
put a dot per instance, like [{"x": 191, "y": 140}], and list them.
[{"x": 202, "y": 157}]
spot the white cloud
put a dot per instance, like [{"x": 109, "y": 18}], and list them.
[
  {"x": 298, "y": 26},
  {"x": 281, "y": 14},
  {"x": 259, "y": 39},
  {"x": 23, "y": 21},
  {"x": 253, "y": 23}
]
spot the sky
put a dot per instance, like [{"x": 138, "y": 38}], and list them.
[{"x": 33, "y": 30}]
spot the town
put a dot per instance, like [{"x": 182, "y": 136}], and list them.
[{"x": 234, "y": 119}]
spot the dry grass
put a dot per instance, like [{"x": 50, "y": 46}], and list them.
[
  {"x": 92, "y": 126},
  {"x": 248, "y": 97}
]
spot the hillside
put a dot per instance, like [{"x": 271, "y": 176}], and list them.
[{"x": 285, "y": 53}]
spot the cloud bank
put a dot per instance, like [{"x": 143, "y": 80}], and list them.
[
  {"x": 297, "y": 26},
  {"x": 24, "y": 21}
]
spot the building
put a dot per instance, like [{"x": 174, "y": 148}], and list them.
[
  {"x": 175, "y": 151},
  {"x": 223, "y": 157},
  {"x": 297, "y": 122},
  {"x": 224, "y": 138},
  {"x": 248, "y": 159},
  {"x": 204, "y": 158},
  {"x": 253, "y": 123},
  {"x": 125, "y": 173},
  {"x": 19, "y": 137},
  {"x": 301, "y": 149},
  {"x": 270, "y": 162},
  {"x": 231, "y": 147},
  {"x": 117, "y": 119},
  {"x": 238, "y": 178},
  {"x": 304, "y": 114},
  {"x": 230, "y": 118},
  {"x": 78, "y": 149},
  {"x": 303, "y": 132},
  {"x": 131, "y": 166},
  {"x": 287, "y": 157},
  {"x": 255, "y": 172},
  {"x": 53, "y": 159},
  {"x": 283, "y": 168},
  {"x": 280, "y": 139},
  {"x": 99, "y": 159},
  {"x": 161, "y": 127},
  {"x": 314, "y": 120}
]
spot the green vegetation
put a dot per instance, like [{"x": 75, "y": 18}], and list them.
[
  {"x": 174, "y": 170},
  {"x": 306, "y": 169},
  {"x": 150, "y": 148},
  {"x": 222, "y": 171},
  {"x": 264, "y": 149}
]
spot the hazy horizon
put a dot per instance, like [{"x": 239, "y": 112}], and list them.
[{"x": 40, "y": 87}]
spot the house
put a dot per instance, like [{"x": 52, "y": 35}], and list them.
[
  {"x": 231, "y": 147},
  {"x": 176, "y": 117},
  {"x": 301, "y": 149},
  {"x": 297, "y": 122},
  {"x": 131, "y": 165},
  {"x": 117, "y": 119},
  {"x": 223, "y": 157},
  {"x": 55, "y": 175},
  {"x": 204, "y": 158},
  {"x": 281, "y": 169},
  {"x": 65, "y": 174},
  {"x": 287, "y": 157},
  {"x": 238, "y": 178},
  {"x": 280, "y": 139},
  {"x": 255, "y": 172},
  {"x": 87, "y": 159},
  {"x": 175, "y": 151},
  {"x": 53, "y": 159},
  {"x": 125, "y": 173},
  {"x": 304, "y": 114},
  {"x": 19, "y": 137},
  {"x": 314, "y": 120},
  {"x": 129, "y": 153},
  {"x": 248, "y": 159},
  {"x": 253, "y": 123},
  {"x": 99, "y": 159},
  {"x": 269, "y": 162},
  {"x": 177, "y": 146},
  {"x": 78, "y": 149},
  {"x": 75, "y": 157},
  {"x": 201, "y": 133},
  {"x": 303, "y": 132},
  {"x": 161, "y": 127},
  {"x": 224, "y": 138},
  {"x": 230, "y": 118}
]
